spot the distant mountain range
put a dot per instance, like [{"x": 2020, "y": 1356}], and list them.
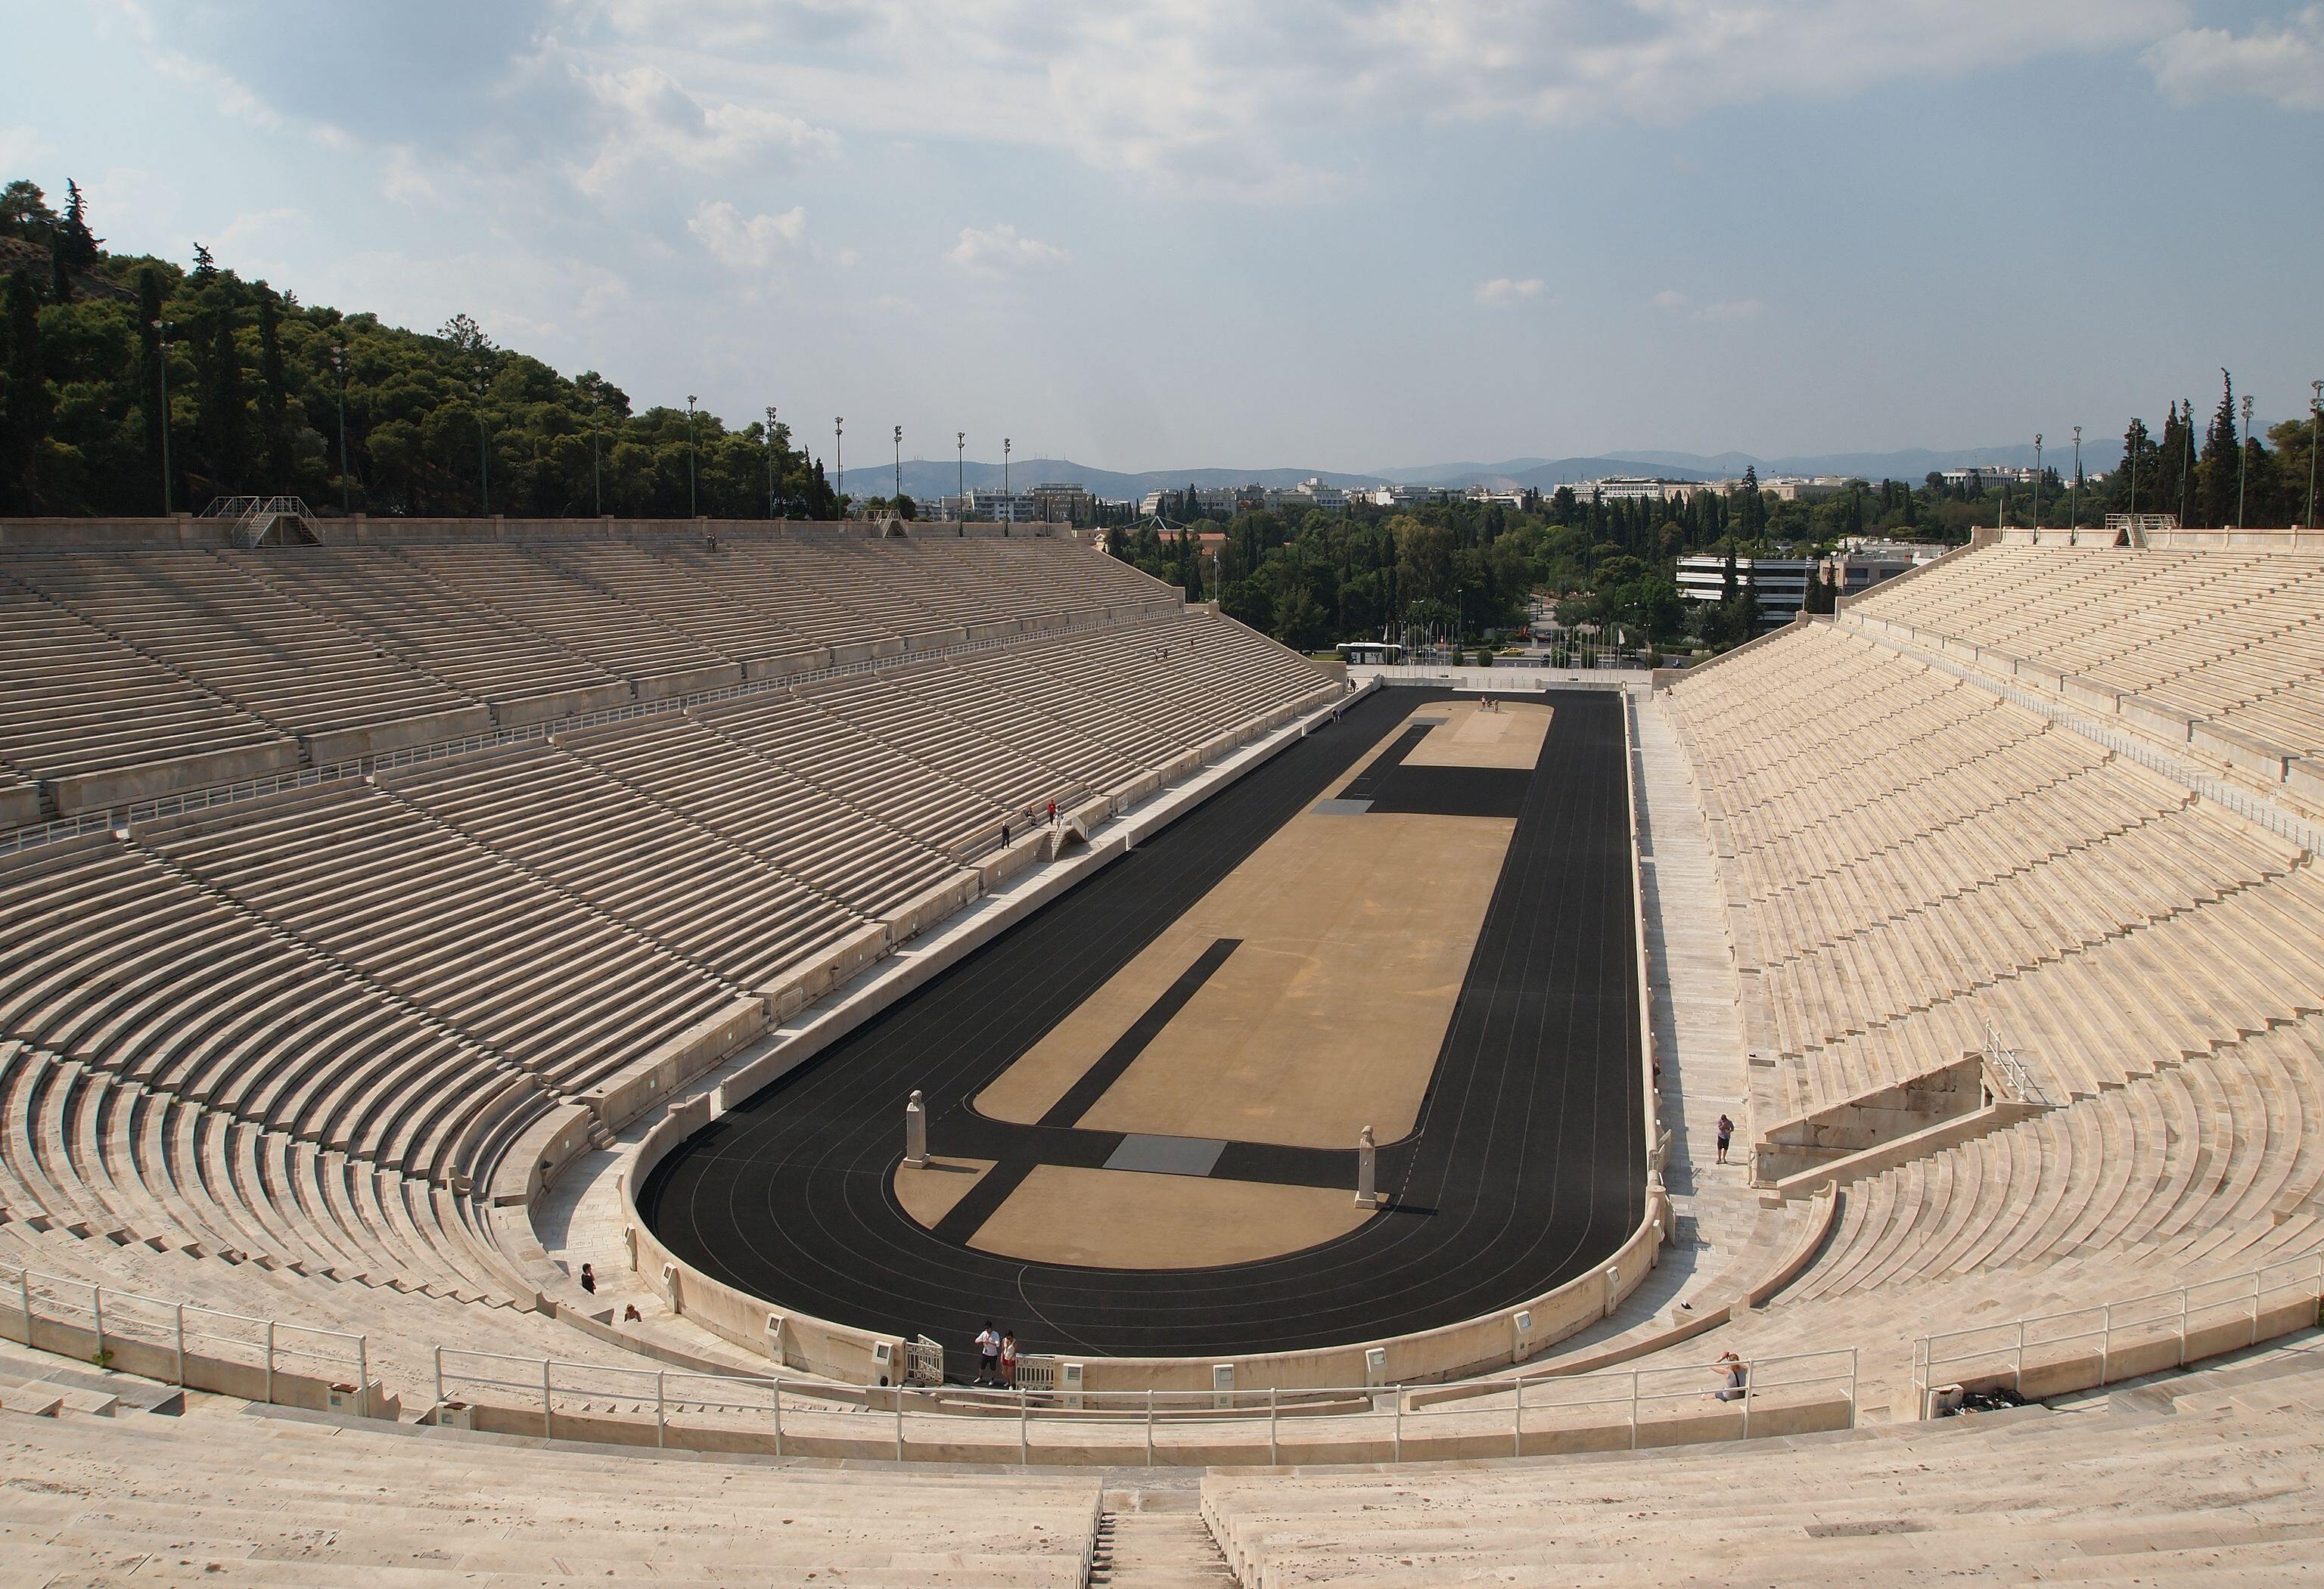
[{"x": 926, "y": 478}]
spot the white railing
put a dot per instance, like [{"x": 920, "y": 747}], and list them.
[
  {"x": 2086, "y": 1347},
  {"x": 2012, "y": 1069},
  {"x": 185, "y": 1333},
  {"x": 1638, "y": 1408}
]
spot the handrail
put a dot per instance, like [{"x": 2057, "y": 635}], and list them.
[
  {"x": 1656, "y": 1405},
  {"x": 111, "y": 1316},
  {"x": 2012, "y": 1069},
  {"x": 2002, "y": 1349}
]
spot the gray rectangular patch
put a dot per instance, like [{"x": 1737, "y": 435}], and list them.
[
  {"x": 1168, "y": 1155},
  {"x": 1340, "y": 807}
]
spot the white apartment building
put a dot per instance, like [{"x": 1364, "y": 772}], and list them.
[{"x": 1988, "y": 475}]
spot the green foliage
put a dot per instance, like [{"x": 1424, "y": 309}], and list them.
[{"x": 254, "y": 405}]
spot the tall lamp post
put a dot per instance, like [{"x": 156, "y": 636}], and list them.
[
  {"x": 596, "y": 466},
  {"x": 690, "y": 510},
  {"x": 839, "y": 461},
  {"x": 897, "y": 505},
  {"x": 2315, "y": 431},
  {"x": 2037, "y": 485},
  {"x": 339, "y": 368},
  {"x": 771, "y": 445},
  {"x": 960, "y": 470},
  {"x": 2242, "y": 462},
  {"x": 1005, "y": 444},
  {"x": 162, "y": 329},
  {"x": 2074, "y": 513}
]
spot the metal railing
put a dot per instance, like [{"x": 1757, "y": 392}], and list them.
[
  {"x": 1788, "y": 1394},
  {"x": 2099, "y": 1335},
  {"x": 2011, "y": 1068},
  {"x": 187, "y": 1332}
]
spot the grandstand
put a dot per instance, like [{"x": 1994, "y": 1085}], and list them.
[{"x": 365, "y": 910}]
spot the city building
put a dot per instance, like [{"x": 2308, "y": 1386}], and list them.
[
  {"x": 1801, "y": 488},
  {"x": 1781, "y": 583},
  {"x": 1987, "y": 476}
]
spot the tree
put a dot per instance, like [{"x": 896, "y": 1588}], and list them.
[
  {"x": 220, "y": 420},
  {"x": 26, "y": 406},
  {"x": 2215, "y": 470},
  {"x": 148, "y": 398},
  {"x": 275, "y": 439},
  {"x": 25, "y": 211},
  {"x": 81, "y": 249}
]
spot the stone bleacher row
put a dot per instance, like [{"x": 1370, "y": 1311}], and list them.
[
  {"x": 2224, "y": 639},
  {"x": 2213, "y": 1488},
  {"x": 215, "y": 1497},
  {"x": 125, "y": 676},
  {"x": 293, "y": 1036},
  {"x": 1917, "y": 858}
]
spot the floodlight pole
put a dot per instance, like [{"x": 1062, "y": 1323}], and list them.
[
  {"x": 2037, "y": 485},
  {"x": 2242, "y": 462},
  {"x": 960, "y": 470},
  {"x": 2315, "y": 431},
  {"x": 691, "y": 511},
  {"x": 2074, "y": 513},
  {"x": 596, "y": 466},
  {"x": 839, "y": 461},
  {"x": 897, "y": 506},
  {"x": 162, "y": 329},
  {"x": 339, "y": 368},
  {"x": 770, "y": 461},
  {"x": 1005, "y": 444}
]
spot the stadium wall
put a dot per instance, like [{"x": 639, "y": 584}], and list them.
[{"x": 187, "y": 531}]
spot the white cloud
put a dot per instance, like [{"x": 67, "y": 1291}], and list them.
[
  {"x": 21, "y": 149},
  {"x": 746, "y": 243},
  {"x": 2282, "y": 63},
  {"x": 648, "y": 119},
  {"x": 1501, "y": 291},
  {"x": 998, "y": 250},
  {"x": 1219, "y": 99},
  {"x": 1726, "y": 308}
]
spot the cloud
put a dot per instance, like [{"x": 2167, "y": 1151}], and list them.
[
  {"x": 2284, "y": 63},
  {"x": 998, "y": 251},
  {"x": 21, "y": 149},
  {"x": 1726, "y": 308},
  {"x": 1501, "y": 291},
  {"x": 647, "y": 118},
  {"x": 749, "y": 243}
]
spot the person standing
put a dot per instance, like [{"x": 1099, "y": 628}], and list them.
[
  {"x": 1726, "y": 1134},
  {"x": 988, "y": 1354},
  {"x": 1009, "y": 1360}
]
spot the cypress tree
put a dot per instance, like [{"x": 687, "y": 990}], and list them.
[
  {"x": 81, "y": 249},
  {"x": 274, "y": 395},
  {"x": 224, "y": 431},
  {"x": 2222, "y": 453}
]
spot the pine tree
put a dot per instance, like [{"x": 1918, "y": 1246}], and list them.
[
  {"x": 82, "y": 249},
  {"x": 2222, "y": 453},
  {"x": 205, "y": 267}
]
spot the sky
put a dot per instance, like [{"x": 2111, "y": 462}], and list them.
[{"x": 1344, "y": 234}]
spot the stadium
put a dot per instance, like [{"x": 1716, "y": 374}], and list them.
[{"x": 569, "y": 1031}]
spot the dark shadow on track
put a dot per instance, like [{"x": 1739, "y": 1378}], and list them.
[{"x": 1525, "y": 1170}]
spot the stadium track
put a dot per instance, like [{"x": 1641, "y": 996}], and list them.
[{"x": 1525, "y": 1167}]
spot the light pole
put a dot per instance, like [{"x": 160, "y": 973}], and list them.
[
  {"x": 2074, "y": 513},
  {"x": 839, "y": 461},
  {"x": 1005, "y": 444},
  {"x": 771, "y": 460},
  {"x": 2242, "y": 462},
  {"x": 897, "y": 505},
  {"x": 162, "y": 329},
  {"x": 2187, "y": 452},
  {"x": 690, "y": 510},
  {"x": 339, "y": 368},
  {"x": 2136, "y": 432},
  {"x": 596, "y": 466},
  {"x": 2315, "y": 430},
  {"x": 2037, "y": 485},
  {"x": 960, "y": 470}
]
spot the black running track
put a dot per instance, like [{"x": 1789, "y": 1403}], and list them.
[{"x": 1526, "y": 1169}]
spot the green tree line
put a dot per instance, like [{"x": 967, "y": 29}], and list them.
[{"x": 269, "y": 396}]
